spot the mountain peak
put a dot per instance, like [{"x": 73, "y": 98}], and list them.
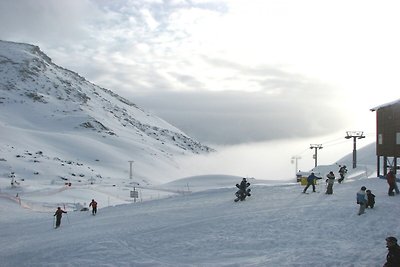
[{"x": 42, "y": 101}]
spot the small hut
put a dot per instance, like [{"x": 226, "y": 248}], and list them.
[{"x": 387, "y": 136}]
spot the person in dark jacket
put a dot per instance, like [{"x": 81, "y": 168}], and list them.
[
  {"x": 311, "y": 181},
  {"x": 342, "y": 172},
  {"x": 58, "y": 215},
  {"x": 393, "y": 256},
  {"x": 391, "y": 180},
  {"x": 370, "y": 199},
  {"x": 93, "y": 204}
]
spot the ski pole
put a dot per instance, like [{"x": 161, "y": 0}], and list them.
[{"x": 66, "y": 214}]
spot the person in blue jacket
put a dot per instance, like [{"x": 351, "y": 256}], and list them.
[
  {"x": 311, "y": 181},
  {"x": 362, "y": 200}
]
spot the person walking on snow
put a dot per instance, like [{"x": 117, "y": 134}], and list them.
[
  {"x": 330, "y": 181},
  {"x": 391, "y": 180},
  {"x": 393, "y": 256},
  {"x": 311, "y": 181},
  {"x": 362, "y": 200},
  {"x": 93, "y": 204},
  {"x": 58, "y": 215},
  {"x": 371, "y": 199},
  {"x": 342, "y": 172}
]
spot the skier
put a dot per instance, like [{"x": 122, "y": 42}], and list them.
[
  {"x": 391, "y": 180},
  {"x": 362, "y": 200},
  {"x": 342, "y": 172},
  {"x": 243, "y": 191},
  {"x": 58, "y": 215},
  {"x": 371, "y": 199},
  {"x": 12, "y": 175},
  {"x": 393, "y": 256},
  {"x": 93, "y": 204},
  {"x": 330, "y": 181},
  {"x": 311, "y": 181}
]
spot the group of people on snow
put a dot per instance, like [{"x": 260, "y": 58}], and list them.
[
  {"x": 59, "y": 212},
  {"x": 243, "y": 191},
  {"x": 365, "y": 199},
  {"x": 330, "y": 180}
]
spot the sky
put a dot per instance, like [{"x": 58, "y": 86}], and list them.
[
  {"x": 227, "y": 72},
  {"x": 277, "y": 225}
]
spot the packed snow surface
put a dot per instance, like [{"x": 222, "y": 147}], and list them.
[{"x": 202, "y": 226}]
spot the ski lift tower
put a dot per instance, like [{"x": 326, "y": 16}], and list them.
[
  {"x": 295, "y": 159},
  {"x": 355, "y": 135},
  {"x": 315, "y": 156}
]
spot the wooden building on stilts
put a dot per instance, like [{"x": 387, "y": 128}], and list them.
[{"x": 388, "y": 137}]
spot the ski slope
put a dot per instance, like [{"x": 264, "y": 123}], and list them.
[{"x": 276, "y": 226}]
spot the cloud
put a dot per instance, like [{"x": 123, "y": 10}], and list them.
[
  {"x": 238, "y": 117},
  {"x": 191, "y": 61},
  {"x": 43, "y": 21}
]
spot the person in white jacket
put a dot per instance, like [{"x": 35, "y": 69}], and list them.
[{"x": 362, "y": 200}]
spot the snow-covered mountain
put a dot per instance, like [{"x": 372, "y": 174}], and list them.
[{"x": 58, "y": 126}]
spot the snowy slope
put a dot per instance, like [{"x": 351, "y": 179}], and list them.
[
  {"x": 276, "y": 226},
  {"x": 52, "y": 117}
]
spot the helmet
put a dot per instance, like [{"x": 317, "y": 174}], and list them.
[{"x": 363, "y": 188}]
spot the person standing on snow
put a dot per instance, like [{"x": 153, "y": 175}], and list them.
[
  {"x": 93, "y": 204},
  {"x": 311, "y": 181},
  {"x": 362, "y": 200},
  {"x": 393, "y": 256},
  {"x": 342, "y": 172},
  {"x": 371, "y": 199},
  {"x": 391, "y": 180},
  {"x": 330, "y": 181},
  {"x": 58, "y": 215}
]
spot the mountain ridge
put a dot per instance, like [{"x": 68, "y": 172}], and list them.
[{"x": 42, "y": 101}]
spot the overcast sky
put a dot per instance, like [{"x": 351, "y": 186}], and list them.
[{"x": 229, "y": 71}]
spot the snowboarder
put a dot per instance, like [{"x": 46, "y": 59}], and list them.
[
  {"x": 391, "y": 180},
  {"x": 93, "y": 204},
  {"x": 311, "y": 179},
  {"x": 371, "y": 199},
  {"x": 58, "y": 215},
  {"x": 330, "y": 181},
  {"x": 243, "y": 191},
  {"x": 362, "y": 200},
  {"x": 393, "y": 256},
  {"x": 342, "y": 172}
]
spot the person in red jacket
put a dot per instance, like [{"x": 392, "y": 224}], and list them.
[
  {"x": 58, "y": 215},
  {"x": 93, "y": 204},
  {"x": 391, "y": 179}
]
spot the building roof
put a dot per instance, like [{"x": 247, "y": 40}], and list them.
[{"x": 386, "y": 105}]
